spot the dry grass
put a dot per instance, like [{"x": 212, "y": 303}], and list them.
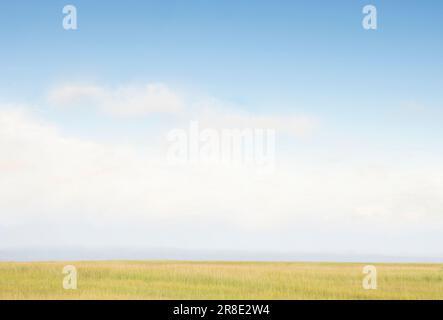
[{"x": 219, "y": 280}]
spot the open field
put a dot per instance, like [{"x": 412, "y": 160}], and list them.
[{"x": 219, "y": 280}]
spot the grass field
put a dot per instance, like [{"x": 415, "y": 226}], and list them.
[{"x": 219, "y": 280}]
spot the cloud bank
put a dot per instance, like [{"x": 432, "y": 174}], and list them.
[
  {"x": 61, "y": 181},
  {"x": 128, "y": 100}
]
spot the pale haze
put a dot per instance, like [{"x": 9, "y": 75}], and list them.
[{"x": 85, "y": 116}]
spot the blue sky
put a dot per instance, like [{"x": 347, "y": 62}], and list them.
[
  {"x": 301, "y": 56},
  {"x": 254, "y": 52},
  {"x": 374, "y": 100}
]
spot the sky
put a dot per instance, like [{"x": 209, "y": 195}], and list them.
[{"x": 86, "y": 118}]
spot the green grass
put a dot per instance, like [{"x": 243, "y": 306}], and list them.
[{"x": 219, "y": 280}]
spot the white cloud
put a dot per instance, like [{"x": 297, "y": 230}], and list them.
[
  {"x": 44, "y": 173},
  {"x": 158, "y": 98},
  {"x": 72, "y": 94},
  {"x": 47, "y": 176},
  {"x": 123, "y": 101},
  {"x": 297, "y": 126}
]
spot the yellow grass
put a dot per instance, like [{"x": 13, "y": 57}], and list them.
[{"x": 219, "y": 280}]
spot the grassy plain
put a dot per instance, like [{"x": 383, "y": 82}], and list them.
[{"x": 218, "y": 280}]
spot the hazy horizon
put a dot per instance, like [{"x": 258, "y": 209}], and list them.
[{"x": 133, "y": 253}]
